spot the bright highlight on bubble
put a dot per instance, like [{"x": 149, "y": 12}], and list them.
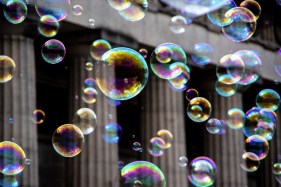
[
  {"x": 89, "y": 95},
  {"x": 167, "y": 137},
  {"x": 68, "y": 140},
  {"x": 183, "y": 161},
  {"x": 191, "y": 93},
  {"x": 7, "y": 68},
  {"x": 253, "y": 6},
  {"x": 48, "y": 26},
  {"x": 89, "y": 66},
  {"x": 112, "y": 132},
  {"x": 269, "y": 99},
  {"x": 180, "y": 82},
  {"x": 177, "y": 24},
  {"x": 86, "y": 120},
  {"x": 202, "y": 54},
  {"x": 199, "y": 109},
  {"x": 77, "y": 10},
  {"x": 235, "y": 118},
  {"x": 225, "y": 90},
  {"x": 137, "y": 147},
  {"x": 15, "y": 11},
  {"x": 136, "y": 11},
  {"x": 215, "y": 126},
  {"x": 250, "y": 162},
  {"x": 119, "y": 4},
  {"x": 143, "y": 52},
  {"x": 98, "y": 48},
  {"x": 155, "y": 146},
  {"x": 258, "y": 145},
  {"x": 276, "y": 168},
  {"x": 38, "y": 116},
  {"x": 53, "y": 51}
]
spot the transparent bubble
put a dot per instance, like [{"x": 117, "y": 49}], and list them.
[
  {"x": 89, "y": 95},
  {"x": 269, "y": 99},
  {"x": 38, "y": 116},
  {"x": 112, "y": 132},
  {"x": 258, "y": 145},
  {"x": 119, "y": 4},
  {"x": 276, "y": 168},
  {"x": 215, "y": 126},
  {"x": 91, "y": 22},
  {"x": 250, "y": 162},
  {"x": 27, "y": 161},
  {"x": 243, "y": 25},
  {"x": 165, "y": 60},
  {"x": 9, "y": 181},
  {"x": 199, "y": 109},
  {"x": 12, "y": 158},
  {"x": 277, "y": 61},
  {"x": 177, "y": 24},
  {"x": 120, "y": 164},
  {"x": 191, "y": 93},
  {"x": 225, "y": 90},
  {"x": 53, "y": 51},
  {"x": 235, "y": 118},
  {"x": 167, "y": 137},
  {"x": 11, "y": 120},
  {"x": 137, "y": 146},
  {"x": 68, "y": 140},
  {"x": 77, "y": 10},
  {"x": 180, "y": 82},
  {"x": 218, "y": 18},
  {"x": 183, "y": 161},
  {"x": 136, "y": 11},
  {"x": 98, "y": 48},
  {"x": 253, "y": 6},
  {"x": 122, "y": 73},
  {"x": 202, "y": 54},
  {"x": 202, "y": 172},
  {"x": 48, "y": 26},
  {"x": 260, "y": 122},
  {"x": 142, "y": 172},
  {"x": 86, "y": 120},
  {"x": 90, "y": 82},
  {"x": 89, "y": 66},
  {"x": 155, "y": 146},
  {"x": 7, "y": 68},
  {"x": 143, "y": 52},
  {"x": 57, "y": 8},
  {"x": 15, "y": 11}
]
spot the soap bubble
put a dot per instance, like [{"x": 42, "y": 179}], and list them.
[
  {"x": 167, "y": 137},
  {"x": 250, "y": 162},
  {"x": 53, "y": 51},
  {"x": 89, "y": 66},
  {"x": 86, "y": 120},
  {"x": 15, "y": 11},
  {"x": 276, "y": 168},
  {"x": 9, "y": 181},
  {"x": 38, "y": 116},
  {"x": 136, "y": 11},
  {"x": 155, "y": 146},
  {"x": 119, "y": 4},
  {"x": 268, "y": 98},
  {"x": 253, "y": 6},
  {"x": 191, "y": 93},
  {"x": 137, "y": 146},
  {"x": 180, "y": 82},
  {"x": 77, "y": 10},
  {"x": 143, "y": 52},
  {"x": 27, "y": 161},
  {"x": 91, "y": 22},
  {"x": 183, "y": 161},
  {"x": 225, "y": 90},
  {"x": 122, "y": 73},
  {"x": 199, "y": 109},
  {"x": 98, "y": 48},
  {"x": 177, "y": 24},
  {"x": 235, "y": 118},
  {"x": 215, "y": 126},
  {"x": 7, "y": 68},
  {"x": 258, "y": 145},
  {"x": 90, "y": 82},
  {"x": 112, "y": 132},
  {"x": 120, "y": 164},
  {"x": 89, "y": 95},
  {"x": 68, "y": 140},
  {"x": 48, "y": 26},
  {"x": 202, "y": 54}
]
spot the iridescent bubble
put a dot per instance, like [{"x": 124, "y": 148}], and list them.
[
  {"x": 191, "y": 93},
  {"x": 180, "y": 83},
  {"x": 15, "y": 11},
  {"x": 120, "y": 164},
  {"x": 112, "y": 132},
  {"x": 119, "y": 4},
  {"x": 77, "y": 10},
  {"x": 27, "y": 161},
  {"x": 145, "y": 173},
  {"x": 250, "y": 162},
  {"x": 53, "y": 51},
  {"x": 163, "y": 58},
  {"x": 89, "y": 66},
  {"x": 137, "y": 146},
  {"x": 177, "y": 24},
  {"x": 48, "y": 26},
  {"x": 89, "y": 95},
  {"x": 277, "y": 61},
  {"x": 143, "y": 52},
  {"x": 113, "y": 102},
  {"x": 7, "y": 68},
  {"x": 122, "y": 73},
  {"x": 225, "y": 90},
  {"x": 155, "y": 146},
  {"x": 235, "y": 118},
  {"x": 215, "y": 126},
  {"x": 243, "y": 25},
  {"x": 202, "y": 172},
  {"x": 258, "y": 145},
  {"x": 68, "y": 140},
  {"x": 57, "y": 8},
  {"x": 253, "y": 6},
  {"x": 276, "y": 168},
  {"x": 199, "y": 109},
  {"x": 183, "y": 161},
  {"x": 86, "y": 120},
  {"x": 91, "y": 22},
  {"x": 38, "y": 116},
  {"x": 9, "y": 181},
  {"x": 12, "y": 158},
  {"x": 252, "y": 64},
  {"x": 218, "y": 18},
  {"x": 136, "y": 11},
  {"x": 98, "y": 48},
  {"x": 269, "y": 99},
  {"x": 167, "y": 137},
  {"x": 202, "y": 54},
  {"x": 90, "y": 82}
]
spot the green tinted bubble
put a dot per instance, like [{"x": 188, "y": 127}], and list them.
[
  {"x": 225, "y": 90},
  {"x": 48, "y": 26},
  {"x": 15, "y": 11},
  {"x": 268, "y": 98},
  {"x": 199, "y": 109}
]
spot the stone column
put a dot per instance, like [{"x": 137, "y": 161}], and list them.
[
  {"x": 96, "y": 165},
  {"x": 227, "y": 149},
  {"x": 18, "y": 100},
  {"x": 164, "y": 109}
]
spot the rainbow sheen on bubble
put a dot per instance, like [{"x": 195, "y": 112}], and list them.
[
  {"x": 166, "y": 59},
  {"x": 136, "y": 11},
  {"x": 276, "y": 168},
  {"x": 122, "y": 73},
  {"x": 177, "y": 24},
  {"x": 199, "y": 109},
  {"x": 253, "y": 6},
  {"x": 38, "y": 116},
  {"x": 77, "y": 10},
  {"x": 113, "y": 102},
  {"x": 12, "y": 158},
  {"x": 119, "y": 4},
  {"x": 89, "y": 66},
  {"x": 250, "y": 162},
  {"x": 98, "y": 48},
  {"x": 142, "y": 172},
  {"x": 218, "y": 18},
  {"x": 191, "y": 93},
  {"x": 90, "y": 82},
  {"x": 269, "y": 99},
  {"x": 180, "y": 82},
  {"x": 9, "y": 181},
  {"x": 215, "y": 126},
  {"x": 243, "y": 24},
  {"x": 53, "y": 51},
  {"x": 202, "y": 172},
  {"x": 235, "y": 118},
  {"x": 225, "y": 90},
  {"x": 68, "y": 140},
  {"x": 112, "y": 132},
  {"x": 202, "y": 54},
  {"x": 15, "y": 11},
  {"x": 258, "y": 145},
  {"x": 155, "y": 146},
  {"x": 137, "y": 147},
  {"x": 48, "y": 26},
  {"x": 86, "y": 120},
  {"x": 57, "y": 8},
  {"x": 7, "y": 68},
  {"x": 89, "y": 95},
  {"x": 167, "y": 137},
  {"x": 143, "y": 52}
]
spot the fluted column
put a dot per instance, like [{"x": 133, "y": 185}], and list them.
[
  {"x": 18, "y": 100},
  {"x": 164, "y": 109},
  {"x": 96, "y": 165}
]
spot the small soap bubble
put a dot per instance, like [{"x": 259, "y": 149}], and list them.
[
  {"x": 143, "y": 52},
  {"x": 27, "y": 161},
  {"x": 199, "y": 109},
  {"x": 89, "y": 95},
  {"x": 155, "y": 146},
  {"x": 98, "y": 48},
  {"x": 183, "y": 161},
  {"x": 137, "y": 146},
  {"x": 235, "y": 118},
  {"x": 120, "y": 164},
  {"x": 135, "y": 11},
  {"x": 191, "y": 93},
  {"x": 112, "y": 132},
  {"x": 250, "y": 162},
  {"x": 119, "y": 4},
  {"x": 53, "y": 51},
  {"x": 202, "y": 54},
  {"x": 167, "y": 137},
  {"x": 269, "y": 99},
  {"x": 77, "y": 10},
  {"x": 89, "y": 66},
  {"x": 253, "y": 6},
  {"x": 38, "y": 116},
  {"x": 48, "y": 26},
  {"x": 178, "y": 24},
  {"x": 225, "y": 90},
  {"x": 276, "y": 168},
  {"x": 215, "y": 126},
  {"x": 15, "y": 11},
  {"x": 258, "y": 145},
  {"x": 91, "y": 22},
  {"x": 11, "y": 120},
  {"x": 86, "y": 120},
  {"x": 7, "y": 68}
]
